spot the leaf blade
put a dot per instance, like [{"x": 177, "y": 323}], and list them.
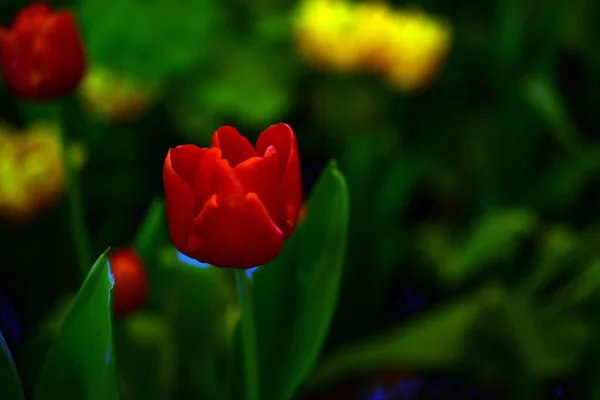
[{"x": 80, "y": 362}]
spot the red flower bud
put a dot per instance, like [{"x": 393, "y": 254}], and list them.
[
  {"x": 130, "y": 284},
  {"x": 231, "y": 205},
  {"x": 42, "y": 55}
]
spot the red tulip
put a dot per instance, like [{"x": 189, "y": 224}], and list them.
[
  {"x": 42, "y": 55},
  {"x": 130, "y": 283},
  {"x": 231, "y": 205}
]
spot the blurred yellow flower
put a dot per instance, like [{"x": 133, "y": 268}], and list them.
[
  {"x": 406, "y": 47},
  {"x": 116, "y": 97},
  {"x": 32, "y": 174},
  {"x": 413, "y": 49},
  {"x": 328, "y": 34}
]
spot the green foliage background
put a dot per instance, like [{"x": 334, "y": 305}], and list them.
[{"x": 480, "y": 193}]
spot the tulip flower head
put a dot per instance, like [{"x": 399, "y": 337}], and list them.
[
  {"x": 32, "y": 173},
  {"x": 130, "y": 282},
  {"x": 232, "y": 205},
  {"x": 41, "y": 54}
]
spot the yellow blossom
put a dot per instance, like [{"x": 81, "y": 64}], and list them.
[
  {"x": 116, "y": 97},
  {"x": 373, "y": 20},
  {"x": 327, "y": 34},
  {"x": 413, "y": 49},
  {"x": 32, "y": 174}
]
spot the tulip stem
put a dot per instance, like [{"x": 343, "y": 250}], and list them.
[
  {"x": 76, "y": 212},
  {"x": 244, "y": 290}
]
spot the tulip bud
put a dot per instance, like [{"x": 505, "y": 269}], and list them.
[
  {"x": 116, "y": 97},
  {"x": 130, "y": 283},
  {"x": 42, "y": 55}
]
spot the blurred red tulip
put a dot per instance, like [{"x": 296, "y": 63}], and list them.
[
  {"x": 42, "y": 55},
  {"x": 130, "y": 283},
  {"x": 232, "y": 205}
]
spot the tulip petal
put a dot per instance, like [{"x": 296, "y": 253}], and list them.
[
  {"x": 179, "y": 198},
  {"x": 260, "y": 175},
  {"x": 30, "y": 16},
  {"x": 185, "y": 160},
  {"x": 235, "y": 147},
  {"x": 283, "y": 139},
  {"x": 67, "y": 63},
  {"x": 279, "y": 136},
  {"x": 214, "y": 176},
  {"x": 235, "y": 232}
]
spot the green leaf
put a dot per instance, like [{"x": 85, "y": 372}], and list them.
[
  {"x": 566, "y": 341},
  {"x": 199, "y": 306},
  {"x": 151, "y": 231},
  {"x": 435, "y": 341},
  {"x": 80, "y": 363},
  {"x": 566, "y": 181},
  {"x": 295, "y": 295},
  {"x": 146, "y": 357},
  {"x": 558, "y": 244},
  {"x": 493, "y": 236},
  {"x": 545, "y": 99},
  {"x": 151, "y": 234},
  {"x": 10, "y": 385},
  {"x": 585, "y": 288},
  {"x": 535, "y": 341}
]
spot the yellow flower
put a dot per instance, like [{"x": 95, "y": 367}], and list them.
[
  {"x": 328, "y": 33},
  {"x": 32, "y": 175},
  {"x": 116, "y": 97},
  {"x": 373, "y": 20},
  {"x": 413, "y": 49}
]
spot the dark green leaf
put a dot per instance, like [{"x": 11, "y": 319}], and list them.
[
  {"x": 151, "y": 231},
  {"x": 10, "y": 385},
  {"x": 544, "y": 98},
  {"x": 566, "y": 340},
  {"x": 434, "y": 341},
  {"x": 558, "y": 243},
  {"x": 146, "y": 357},
  {"x": 566, "y": 181},
  {"x": 199, "y": 305},
  {"x": 151, "y": 234},
  {"x": 80, "y": 363},
  {"x": 295, "y": 295},
  {"x": 584, "y": 288},
  {"x": 538, "y": 342},
  {"x": 493, "y": 236}
]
